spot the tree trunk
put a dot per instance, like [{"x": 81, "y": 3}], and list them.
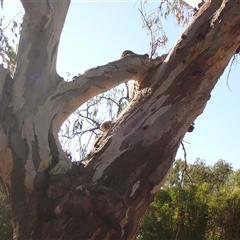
[{"x": 51, "y": 197}]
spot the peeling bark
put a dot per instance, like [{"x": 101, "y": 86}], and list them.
[{"x": 51, "y": 197}]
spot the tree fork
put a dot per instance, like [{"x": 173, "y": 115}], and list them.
[{"x": 51, "y": 197}]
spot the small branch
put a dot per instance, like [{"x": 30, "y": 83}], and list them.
[
  {"x": 90, "y": 119},
  {"x": 150, "y": 29},
  {"x": 120, "y": 101},
  {"x": 11, "y": 20},
  {"x": 109, "y": 99},
  {"x": 127, "y": 87},
  {"x": 79, "y": 133},
  {"x": 185, "y": 165},
  {"x": 230, "y": 68},
  {"x": 89, "y": 139}
]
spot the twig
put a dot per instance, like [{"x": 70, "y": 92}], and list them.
[
  {"x": 185, "y": 164},
  {"x": 79, "y": 133},
  {"x": 90, "y": 119},
  {"x": 11, "y": 21},
  {"x": 230, "y": 68},
  {"x": 151, "y": 32},
  {"x": 109, "y": 99}
]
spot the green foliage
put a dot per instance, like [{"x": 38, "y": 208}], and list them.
[
  {"x": 202, "y": 202},
  {"x": 8, "y": 48},
  {"x": 5, "y": 217},
  {"x": 152, "y": 20}
]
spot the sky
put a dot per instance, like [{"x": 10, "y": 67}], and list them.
[{"x": 97, "y": 32}]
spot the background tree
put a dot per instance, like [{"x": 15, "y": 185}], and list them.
[
  {"x": 206, "y": 207},
  {"x": 50, "y": 196},
  {"x": 5, "y": 218}
]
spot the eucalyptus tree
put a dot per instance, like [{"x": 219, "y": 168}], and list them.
[{"x": 105, "y": 198}]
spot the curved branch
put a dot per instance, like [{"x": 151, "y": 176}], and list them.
[{"x": 70, "y": 95}]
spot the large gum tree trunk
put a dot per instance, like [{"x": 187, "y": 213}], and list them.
[{"x": 52, "y": 198}]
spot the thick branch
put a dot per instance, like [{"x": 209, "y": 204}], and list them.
[
  {"x": 34, "y": 80},
  {"x": 70, "y": 95},
  {"x": 146, "y": 137},
  {"x": 181, "y": 88},
  {"x": 37, "y": 52}
]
